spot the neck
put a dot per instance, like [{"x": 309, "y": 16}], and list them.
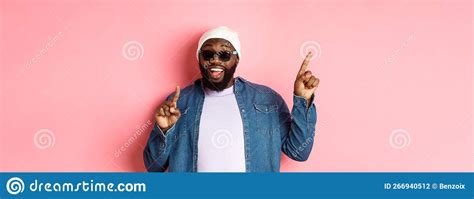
[
  {"x": 231, "y": 83},
  {"x": 210, "y": 86}
]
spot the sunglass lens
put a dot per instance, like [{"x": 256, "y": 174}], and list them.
[
  {"x": 224, "y": 56},
  {"x": 207, "y": 55}
]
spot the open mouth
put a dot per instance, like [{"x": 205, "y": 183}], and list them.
[{"x": 216, "y": 72}]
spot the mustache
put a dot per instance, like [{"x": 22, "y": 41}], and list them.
[{"x": 217, "y": 86}]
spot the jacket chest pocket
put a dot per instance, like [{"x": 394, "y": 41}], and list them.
[{"x": 266, "y": 118}]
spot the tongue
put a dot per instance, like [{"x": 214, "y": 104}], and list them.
[{"x": 215, "y": 73}]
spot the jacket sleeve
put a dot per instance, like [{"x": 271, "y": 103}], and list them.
[
  {"x": 297, "y": 128},
  {"x": 157, "y": 149}
]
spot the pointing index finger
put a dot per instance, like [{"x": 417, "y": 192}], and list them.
[
  {"x": 176, "y": 96},
  {"x": 305, "y": 63}
]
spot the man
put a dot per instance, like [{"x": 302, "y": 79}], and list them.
[{"x": 227, "y": 124}]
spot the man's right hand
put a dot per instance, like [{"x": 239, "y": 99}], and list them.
[{"x": 168, "y": 113}]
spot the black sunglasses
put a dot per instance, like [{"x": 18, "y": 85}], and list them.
[{"x": 223, "y": 55}]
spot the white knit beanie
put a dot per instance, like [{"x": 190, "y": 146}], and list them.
[{"x": 221, "y": 32}]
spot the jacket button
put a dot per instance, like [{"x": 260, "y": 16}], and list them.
[{"x": 243, "y": 110}]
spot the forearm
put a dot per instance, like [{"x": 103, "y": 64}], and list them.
[
  {"x": 300, "y": 138},
  {"x": 156, "y": 152}
]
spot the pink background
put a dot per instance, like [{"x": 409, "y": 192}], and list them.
[{"x": 395, "y": 93}]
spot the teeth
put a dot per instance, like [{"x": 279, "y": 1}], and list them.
[{"x": 216, "y": 70}]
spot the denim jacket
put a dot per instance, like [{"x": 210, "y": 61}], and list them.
[{"x": 267, "y": 123}]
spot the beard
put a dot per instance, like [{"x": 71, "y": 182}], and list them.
[{"x": 217, "y": 86}]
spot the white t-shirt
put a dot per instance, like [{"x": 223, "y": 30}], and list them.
[{"x": 221, "y": 137}]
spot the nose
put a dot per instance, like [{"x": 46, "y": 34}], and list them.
[{"x": 215, "y": 60}]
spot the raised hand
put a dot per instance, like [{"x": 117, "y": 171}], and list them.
[
  {"x": 168, "y": 113},
  {"x": 305, "y": 83}
]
